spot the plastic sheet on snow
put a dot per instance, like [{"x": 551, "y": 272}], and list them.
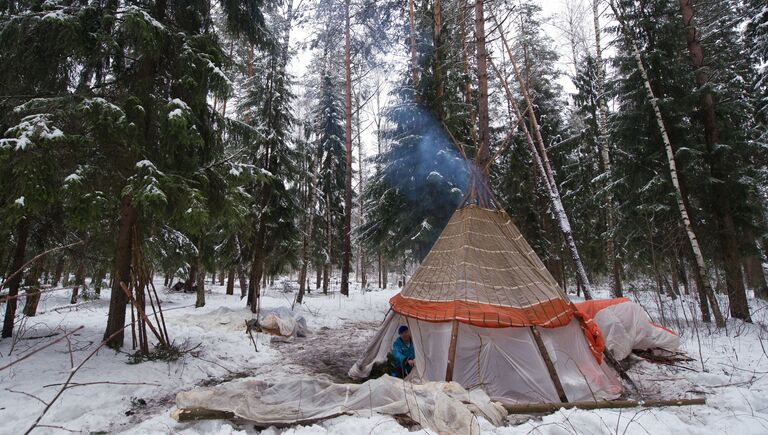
[
  {"x": 444, "y": 407},
  {"x": 626, "y": 326},
  {"x": 283, "y": 321},
  {"x": 279, "y": 321}
]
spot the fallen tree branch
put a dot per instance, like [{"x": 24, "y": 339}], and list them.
[
  {"x": 72, "y": 374},
  {"x": 29, "y": 354},
  {"x": 85, "y": 384},
  {"x": 35, "y": 258},
  {"x": 194, "y": 414},
  {"x": 535, "y": 408}
]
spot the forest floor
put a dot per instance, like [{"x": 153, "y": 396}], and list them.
[{"x": 729, "y": 366}]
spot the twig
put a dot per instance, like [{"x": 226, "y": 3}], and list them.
[
  {"x": 41, "y": 336},
  {"x": 85, "y": 384},
  {"x": 58, "y": 427},
  {"x": 35, "y": 258},
  {"x": 40, "y": 348},
  {"x": 72, "y": 374},
  {"x": 250, "y": 334},
  {"x": 28, "y": 395}
]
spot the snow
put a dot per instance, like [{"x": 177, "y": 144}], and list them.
[
  {"x": 31, "y": 128},
  {"x": 219, "y": 73},
  {"x": 147, "y": 17},
  {"x": 434, "y": 177},
  {"x": 58, "y": 15},
  {"x": 19, "y": 201},
  {"x": 175, "y": 113},
  {"x": 146, "y": 164},
  {"x": 733, "y": 376},
  {"x": 72, "y": 178},
  {"x": 181, "y": 104}
]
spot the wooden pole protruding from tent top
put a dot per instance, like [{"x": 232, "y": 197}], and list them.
[
  {"x": 548, "y": 362},
  {"x": 452, "y": 351}
]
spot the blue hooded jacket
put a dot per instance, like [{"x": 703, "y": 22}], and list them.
[{"x": 401, "y": 353}]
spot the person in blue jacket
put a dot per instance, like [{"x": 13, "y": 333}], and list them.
[{"x": 403, "y": 353}]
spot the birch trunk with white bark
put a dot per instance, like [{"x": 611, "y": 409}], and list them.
[{"x": 700, "y": 265}]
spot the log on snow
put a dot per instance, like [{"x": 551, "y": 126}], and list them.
[
  {"x": 532, "y": 408},
  {"x": 194, "y": 414}
]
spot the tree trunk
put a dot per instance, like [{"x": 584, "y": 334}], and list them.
[
  {"x": 437, "y": 66},
  {"x": 467, "y": 77},
  {"x": 329, "y": 236},
  {"x": 231, "y": 281},
  {"x": 243, "y": 282},
  {"x": 719, "y": 195},
  {"x": 483, "y": 151},
  {"x": 347, "y": 243},
  {"x": 22, "y": 235},
  {"x": 307, "y": 245},
  {"x": 58, "y": 271},
  {"x": 79, "y": 282},
  {"x": 32, "y": 289},
  {"x": 32, "y": 301},
  {"x": 123, "y": 252},
  {"x": 385, "y": 273},
  {"x": 753, "y": 270},
  {"x": 361, "y": 186},
  {"x": 326, "y": 277},
  {"x": 612, "y": 265},
  {"x": 700, "y": 265},
  {"x": 97, "y": 280},
  {"x": 681, "y": 272},
  {"x": 191, "y": 277},
  {"x": 200, "y": 294},
  {"x": 319, "y": 277},
  {"x": 412, "y": 29},
  {"x": 221, "y": 276},
  {"x": 65, "y": 277}
]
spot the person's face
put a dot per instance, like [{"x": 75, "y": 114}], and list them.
[{"x": 406, "y": 335}]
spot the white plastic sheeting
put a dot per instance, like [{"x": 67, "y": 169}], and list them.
[
  {"x": 504, "y": 362},
  {"x": 285, "y": 321},
  {"x": 626, "y": 326},
  {"x": 440, "y": 406}
]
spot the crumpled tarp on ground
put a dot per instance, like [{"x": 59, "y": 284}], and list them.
[
  {"x": 283, "y": 321},
  {"x": 626, "y": 326},
  {"x": 279, "y": 321},
  {"x": 444, "y": 407}
]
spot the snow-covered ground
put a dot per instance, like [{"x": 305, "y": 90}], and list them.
[{"x": 729, "y": 367}]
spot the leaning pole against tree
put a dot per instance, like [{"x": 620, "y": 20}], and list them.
[
  {"x": 547, "y": 175},
  {"x": 705, "y": 290}
]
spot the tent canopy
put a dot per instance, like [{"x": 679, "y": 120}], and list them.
[
  {"x": 482, "y": 272},
  {"x": 475, "y": 305}
]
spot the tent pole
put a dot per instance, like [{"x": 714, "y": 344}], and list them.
[
  {"x": 549, "y": 364},
  {"x": 452, "y": 351}
]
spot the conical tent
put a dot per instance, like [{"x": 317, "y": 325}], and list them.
[{"x": 484, "y": 311}]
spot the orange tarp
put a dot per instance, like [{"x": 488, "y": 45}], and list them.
[
  {"x": 550, "y": 314},
  {"x": 591, "y": 308}
]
